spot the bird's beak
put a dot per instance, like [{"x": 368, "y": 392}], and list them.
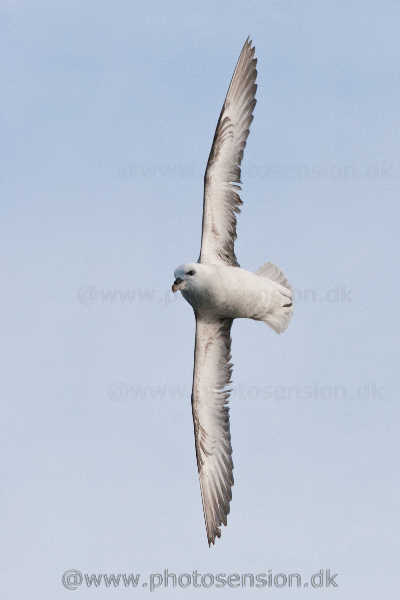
[{"x": 178, "y": 284}]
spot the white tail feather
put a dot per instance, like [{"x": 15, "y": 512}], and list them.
[
  {"x": 273, "y": 272},
  {"x": 279, "y": 316}
]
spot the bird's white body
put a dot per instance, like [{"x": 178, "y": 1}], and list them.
[{"x": 221, "y": 291}]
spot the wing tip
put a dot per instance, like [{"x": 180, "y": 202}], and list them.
[
  {"x": 249, "y": 44},
  {"x": 211, "y": 536},
  {"x": 213, "y": 527}
]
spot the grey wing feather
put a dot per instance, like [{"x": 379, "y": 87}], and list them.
[
  {"x": 222, "y": 177},
  {"x": 211, "y": 375}
]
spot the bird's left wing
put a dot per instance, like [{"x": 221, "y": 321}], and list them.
[
  {"x": 211, "y": 374},
  {"x": 222, "y": 176}
]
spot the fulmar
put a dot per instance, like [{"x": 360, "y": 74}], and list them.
[{"x": 219, "y": 291}]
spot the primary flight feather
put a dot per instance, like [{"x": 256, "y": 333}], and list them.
[{"x": 220, "y": 291}]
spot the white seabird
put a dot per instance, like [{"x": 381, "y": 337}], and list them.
[{"x": 220, "y": 291}]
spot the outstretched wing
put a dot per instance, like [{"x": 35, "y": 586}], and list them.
[
  {"x": 211, "y": 374},
  {"x": 222, "y": 176}
]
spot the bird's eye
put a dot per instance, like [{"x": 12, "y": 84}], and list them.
[{"x": 190, "y": 273}]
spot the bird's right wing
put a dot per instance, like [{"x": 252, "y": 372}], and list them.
[
  {"x": 211, "y": 375},
  {"x": 222, "y": 176}
]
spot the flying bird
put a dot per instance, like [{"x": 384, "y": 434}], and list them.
[{"x": 220, "y": 291}]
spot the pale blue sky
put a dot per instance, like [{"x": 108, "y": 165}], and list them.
[{"x": 107, "y": 116}]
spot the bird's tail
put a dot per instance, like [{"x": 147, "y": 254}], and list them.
[{"x": 280, "y": 312}]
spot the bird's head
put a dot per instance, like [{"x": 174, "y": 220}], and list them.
[{"x": 186, "y": 277}]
